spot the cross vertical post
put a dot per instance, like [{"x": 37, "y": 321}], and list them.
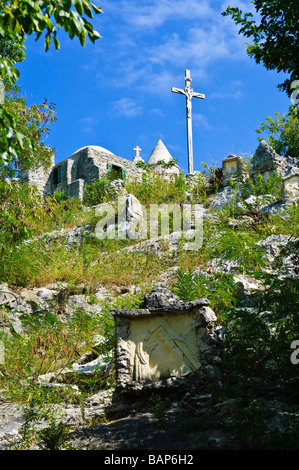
[{"x": 189, "y": 93}]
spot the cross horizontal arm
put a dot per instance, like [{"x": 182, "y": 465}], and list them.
[
  {"x": 178, "y": 90},
  {"x": 198, "y": 95}
]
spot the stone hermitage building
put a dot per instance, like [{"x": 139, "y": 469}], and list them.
[{"x": 90, "y": 164}]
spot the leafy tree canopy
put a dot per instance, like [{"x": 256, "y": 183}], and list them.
[
  {"x": 32, "y": 122},
  {"x": 275, "y": 36},
  {"x": 283, "y": 132},
  {"x": 22, "y": 18},
  {"x": 11, "y": 49}
]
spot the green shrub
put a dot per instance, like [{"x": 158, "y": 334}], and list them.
[
  {"x": 273, "y": 185},
  {"x": 96, "y": 192},
  {"x": 54, "y": 437},
  {"x": 283, "y": 132},
  {"x": 219, "y": 289},
  {"x": 154, "y": 189},
  {"x": 258, "y": 340},
  {"x": 242, "y": 246}
]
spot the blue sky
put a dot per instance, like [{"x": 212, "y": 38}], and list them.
[{"x": 116, "y": 93}]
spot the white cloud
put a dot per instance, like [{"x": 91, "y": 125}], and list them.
[
  {"x": 194, "y": 35},
  {"x": 126, "y": 107},
  {"x": 201, "y": 46},
  {"x": 151, "y": 14}
]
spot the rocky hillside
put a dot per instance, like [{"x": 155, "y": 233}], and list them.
[{"x": 59, "y": 283}]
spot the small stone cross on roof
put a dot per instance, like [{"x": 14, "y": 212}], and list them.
[{"x": 137, "y": 151}]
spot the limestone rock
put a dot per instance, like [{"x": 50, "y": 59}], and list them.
[
  {"x": 131, "y": 217},
  {"x": 291, "y": 185},
  {"x": 72, "y": 238},
  {"x": 159, "y": 298},
  {"x": 132, "y": 209},
  {"x": 226, "y": 196},
  {"x": 117, "y": 188},
  {"x": 265, "y": 160}
]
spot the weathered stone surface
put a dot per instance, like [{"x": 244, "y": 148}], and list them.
[
  {"x": 226, "y": 196},
  {"x": 41, "y": 297},
  {"x": 72, "y": 238},
  {"x": 10, "y": 305},
  {"x": 12, "y": 417},
  {"x": 165, "y": 338},
  {"x": 291, "y": 185},
  {"x": 39, "y": 177},
  {"x": 160, "y": 298},
  {"x": 265, "y": 161},
  {"x": 274, "y": 244},
  {"x": 9, "y": 298},
  {"x": 131, "y": 217},
  {"x": 258, "y": 202},
  {"x": 117, "y": 188}
]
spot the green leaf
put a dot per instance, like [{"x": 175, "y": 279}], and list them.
[
  {"x": 78, "y": 22},
  {"x": 67, "y": 4},
  {"x": 20, "y": 138},
  {"x": 71, "y": 30},
  {"x": 94, "y": 35},
  {"x": 78, "y": 6},
  {"x": 49, "y": 24},
  {"x": 87, "y": 9},
  {"x": 47, "y": 42},
  {"x": 56, "y": 43},
  {"x": 96, "y": 9},
  {"x": 82, "y": 37}
]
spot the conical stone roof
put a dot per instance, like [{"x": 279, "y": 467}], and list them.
[{"x": 160, "y": 152}]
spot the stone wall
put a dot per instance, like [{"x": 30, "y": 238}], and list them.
[
  {"x": 87, "y": 165},
  {"x": 38, "y": 176}
]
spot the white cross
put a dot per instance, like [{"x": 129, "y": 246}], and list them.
[
  {"x": 189, "y": 93},
  {"x": 137, "y": 150}
]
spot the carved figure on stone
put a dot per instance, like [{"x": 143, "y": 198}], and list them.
[
  {"x": 164, "y": 338},
  {"x": 141, "y": 363},
  {"x": 180, "y": 360},
  {"x": 163, "y": 352}
]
